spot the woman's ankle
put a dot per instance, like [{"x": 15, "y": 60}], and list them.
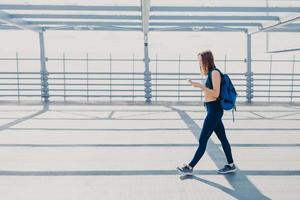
[{"x": 190, "y": 166}]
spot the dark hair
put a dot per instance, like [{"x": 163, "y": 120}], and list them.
[{"x": 207, "y": 60}]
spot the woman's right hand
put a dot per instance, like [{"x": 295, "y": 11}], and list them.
[{"x": 194, "y": 84}]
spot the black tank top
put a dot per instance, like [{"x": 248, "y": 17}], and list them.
[{"x": 208, "y": 82}]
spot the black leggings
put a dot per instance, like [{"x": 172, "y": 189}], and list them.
[{"x": 212, "y": 122}]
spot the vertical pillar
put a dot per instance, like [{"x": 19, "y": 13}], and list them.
[
  {"x": 249, "y": 73},
  {"x": 147, "y": 73},
  {"x": 43, "y": 70},
  {"x": 145, "y": 5}
]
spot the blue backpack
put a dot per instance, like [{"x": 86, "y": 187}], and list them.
[{"x": 228, "y": 93}]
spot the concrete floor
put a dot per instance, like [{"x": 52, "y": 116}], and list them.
[{"x": 72, "y": 152}]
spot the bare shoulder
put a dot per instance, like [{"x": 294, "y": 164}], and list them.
[{"x": 215, "y": 73}]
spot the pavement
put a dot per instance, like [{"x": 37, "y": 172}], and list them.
[{"x": 116, "y": 152}]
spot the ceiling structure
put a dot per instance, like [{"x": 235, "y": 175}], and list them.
[{"x": 149, "y": 17}]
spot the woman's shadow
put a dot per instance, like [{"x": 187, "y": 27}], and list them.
[{"x": 234, "y": 193}]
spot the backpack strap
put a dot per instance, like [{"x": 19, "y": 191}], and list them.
[
  {"x": 233, "y": 109},
  {"x": 210, "y": 79}
]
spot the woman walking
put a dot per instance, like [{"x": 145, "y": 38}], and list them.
[{"x": 213, "y": 119}]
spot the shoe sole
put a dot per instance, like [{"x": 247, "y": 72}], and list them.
[
  {"x": 230, "y": 171},
  {"x": 184, "y": 173}
]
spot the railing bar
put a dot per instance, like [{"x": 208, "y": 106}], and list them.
[
  {"x": 64, "y": 71},
  {"x": 18, "y": 76},
  {"x": 133, "y": 77},
  {"x": 293, "y": 70},
  {"x": 87, "y": 77}
]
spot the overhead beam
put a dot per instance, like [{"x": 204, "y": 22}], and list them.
[
  {"x": 76, "y": 16},
  {"x": 187, "y": 29},
  {"x": 153, "y": 8},
  {"x": 83, "y": 23},
  {"x": 292, "y": 25},
  {"x": 179, "y": 28},
  {"x": 145, "y": 24},
  {"x": 69, "y": 7},
  {"x": 138, "y": 17},
  {"x": 7, "y": 19},
  {"x": 106, "y": 28},
  {"x": 200, "y": 29},
  {"x": 204, "y": 24},
  {"x": 284, "y": 50},
  {"x": 272, "y": 25},
  {"x": 223, "y": 9},
  {"x": 92, "y": 28},
  {"x": 294, "y": 30},
  {"x": 207, "y": 17}
]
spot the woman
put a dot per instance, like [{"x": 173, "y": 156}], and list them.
[{"x": 213, "y": 119}]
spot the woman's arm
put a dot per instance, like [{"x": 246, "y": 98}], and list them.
[{"x": 216, "y": 81}]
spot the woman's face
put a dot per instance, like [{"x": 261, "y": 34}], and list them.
[{"x": 200, "y": 61}]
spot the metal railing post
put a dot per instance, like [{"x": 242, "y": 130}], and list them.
[
  {"x": 110, "y": 77},
  {"x": 156, "y": 84},
  {"x": 147, "y": 72},
  {"x": 87, "y": 77},
  {"x": 225, "y": 62},
  {"x": 178, "y": 83},
  {"x": 249, "y": 73},
  {"x": 44, "y": 73}
]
